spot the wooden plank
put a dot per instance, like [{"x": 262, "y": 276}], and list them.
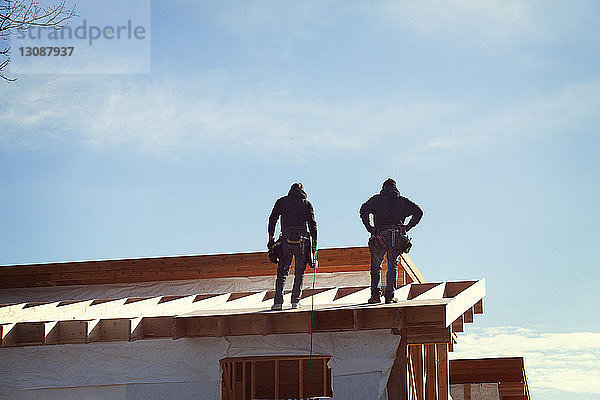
[
  {"x": 242, "y": 324},
  {"x": 430, "y": 373},
  {"x": 457, "y": 325},
  {"x": 511, "y": 389},
  {"x": 466, "y": 299},
  {"x": 478, "y": 307},
  {"x": 467, "y": 391},
  {"x": 331, "y": 321},
  {"x": 468, "y": 316},
  {"x": 244, "y": 392},
  {"x": 324, "y": 377},
  {"x": 428, "y": 335},
  {"x": 296, "y": 322},
  {"x": 412, "y": 272},
  {"x": 267, "y": 324},
  {"x": 253, "y": 383},
  {"x": 276, "y": 378},
  {"x": 431, "y": 315},
  {"x": 169, "y": 268},
  {"x": 301, "y": 378},
  {"x": 443, "y": 382},
  {"x": 416, "y": 355},
  {"x": 486, "y": 370},
  {"x": 233, "y": 379},
  {"x": 155, "y": 328},
  {"x": 358, "y": 319},
  {"x": 201, "y": 327}
]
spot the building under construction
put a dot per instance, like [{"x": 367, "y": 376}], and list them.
[{"x": 200, "y": 327}]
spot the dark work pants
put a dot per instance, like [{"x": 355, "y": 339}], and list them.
[
  {"x": 392, "y": 271},
  {"x": 283, "y": 269}
]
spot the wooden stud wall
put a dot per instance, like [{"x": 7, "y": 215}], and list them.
[{"x": 275, "y": 377}]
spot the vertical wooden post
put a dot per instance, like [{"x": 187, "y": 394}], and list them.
[
  {"x": 324, "y": 378},
  {"x": 301, "y": 378},
  {"x": 253, "y": 382},
  {"x": 430, "y": 373},
  {"x": 442, "y": 370},
  {"x": 276, "y": 379},
  {"x": 233, "y": 383},
  {"x": 244, "y": 380},
  {"x": 467, "y": 388},
  {"x": 397, "y": 385},
  {"x": 416, "y": 353}
]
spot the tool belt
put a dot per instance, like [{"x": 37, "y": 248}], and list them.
[
  {"x": 295, "y": 235},
  {"x": 275, "y": 252},
  {"x": 400, "y": 240}
]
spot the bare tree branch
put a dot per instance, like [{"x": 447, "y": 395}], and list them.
[{"x": 21, "y": 15}]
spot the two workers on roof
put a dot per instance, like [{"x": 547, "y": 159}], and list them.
[{"x": 299, "y": 238}]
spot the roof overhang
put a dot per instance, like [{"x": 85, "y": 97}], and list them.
[{"x": 425, "y": 313}]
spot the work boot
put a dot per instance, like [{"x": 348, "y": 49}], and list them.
[
  {"x": 375, "y": 298},
  {"x": 390, "y": 300},
  {"x": 296, "y": 306},
  {"x": 277, "y": 307}
]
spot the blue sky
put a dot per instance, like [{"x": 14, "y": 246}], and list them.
[{"x": 486, "y": 114}]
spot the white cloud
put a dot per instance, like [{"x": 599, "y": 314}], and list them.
[
  {"x": 570, "y": 109},
  {"x": 553, "y": 361},
  {"x": 189, "y": 115}
]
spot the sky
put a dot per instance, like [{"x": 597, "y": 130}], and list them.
[{"x": 484, "y": 112}]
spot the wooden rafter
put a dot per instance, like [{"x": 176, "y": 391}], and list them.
[{"x": 424, "y": 319}]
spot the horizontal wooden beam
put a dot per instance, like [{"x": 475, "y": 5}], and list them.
[
  {"x": 428, "y": 335},
  {"x": 169, "y": 268},
  {"x": 486, "y": 370},
  {"x": 465, "y": 299}
]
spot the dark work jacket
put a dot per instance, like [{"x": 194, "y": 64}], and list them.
[
  {"x": 390, "y": 208},
  {"x": 295, "y": 211}
]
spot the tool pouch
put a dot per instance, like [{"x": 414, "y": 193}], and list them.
[
  {"x": 310, "y": 253},
  {"x": 376, "y": 243},
  {"x": 275, "y": 252},
  {"x": 403, "y": 243}
]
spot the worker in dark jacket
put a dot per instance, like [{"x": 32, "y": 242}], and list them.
[
  {"x": 390, "y": 211},
  {"x": 296, "y": 215}
]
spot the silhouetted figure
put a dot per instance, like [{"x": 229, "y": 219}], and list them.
[
  {"x": 390, "y": 211},
  {"x": 297, "y": 220}
]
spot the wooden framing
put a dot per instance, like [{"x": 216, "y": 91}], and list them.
[
  {"x": 185, "y": 267},
  {"x": 443, "y": 385},
  {"x": 507, "y": 372},
  {"x": 421, "y": 316},
  {"x": 276, "y": 377},
  {"x": 430, "y": 373}
]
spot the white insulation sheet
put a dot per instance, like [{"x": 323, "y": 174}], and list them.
[
  {"x": 177, "y": 288},
  {"x": 186, "y": 368}
]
